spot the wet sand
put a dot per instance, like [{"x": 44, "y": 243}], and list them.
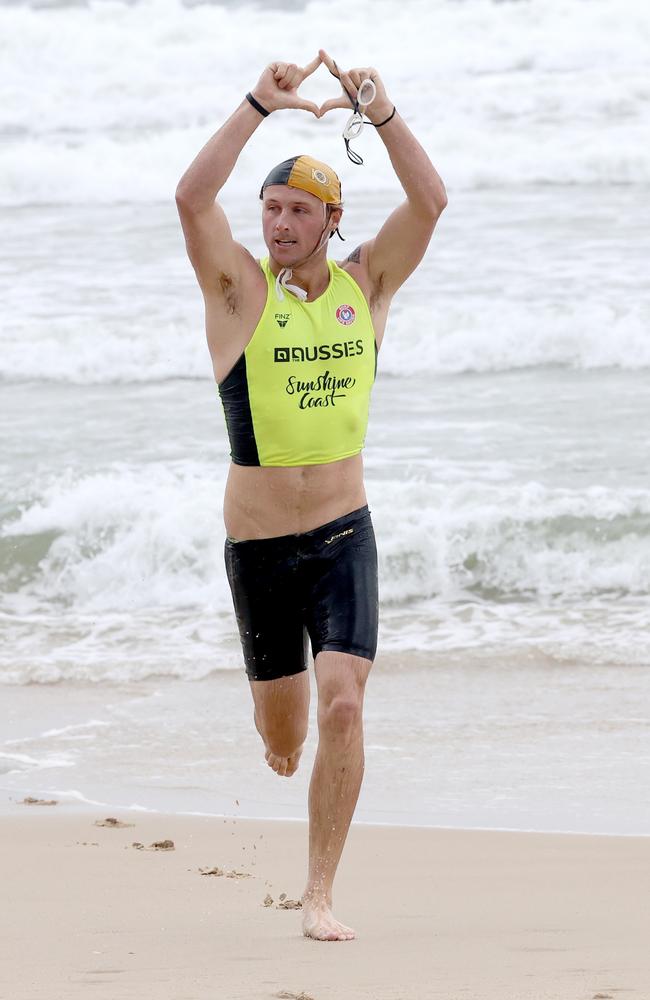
[{"x": 459, "y": 915}]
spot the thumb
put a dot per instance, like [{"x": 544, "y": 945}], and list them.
[
  {"x": 334, "y": 102},
  {"x": 307, "y": 106}
]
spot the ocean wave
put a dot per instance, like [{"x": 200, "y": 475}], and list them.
[
  {"x": 470, "y": 334},
  {"x": 461, "y": 334},
  {"x": 117, "y": 575},
  {"x": 133, "y": 539},
  {"x": 547, "y": 92},
  {"x": 508, "y": 542}
]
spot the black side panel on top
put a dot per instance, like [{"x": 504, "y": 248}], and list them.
[{"x": 239, "y": 420}]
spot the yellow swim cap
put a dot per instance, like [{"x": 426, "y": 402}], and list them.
[{"x": 309, "y": 175}]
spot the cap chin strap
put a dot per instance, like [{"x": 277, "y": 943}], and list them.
[
  {"x": 281, "y": 282},
  {"x": 284, "y": 277}
]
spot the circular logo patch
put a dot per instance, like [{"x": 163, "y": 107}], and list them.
[
  {"x": 346, "y": 315},
  {"x": 319, "y": 175}
]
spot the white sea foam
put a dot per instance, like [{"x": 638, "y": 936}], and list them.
[
  {"x": 129, "y": 581},
  {"x": 550, "y": 91},
  {"x": 459, "y": 335},
  {"x": 125, "y": 538},
  {"x": 132, "y": 539}
]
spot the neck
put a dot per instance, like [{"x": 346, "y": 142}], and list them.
[{"x": 313, "y": 275}]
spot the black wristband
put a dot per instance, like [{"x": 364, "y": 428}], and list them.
[
  {"x": 386, "y": 120},
  {"x": 258, "y": 107}
]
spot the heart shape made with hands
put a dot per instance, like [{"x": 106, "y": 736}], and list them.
[{"x": 295, "y": 78}]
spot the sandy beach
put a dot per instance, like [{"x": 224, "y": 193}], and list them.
[{"x": 438, "y": 913}]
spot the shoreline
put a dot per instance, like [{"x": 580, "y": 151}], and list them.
[
  {"x": 80, "y": 808},
  {"x": 190, "y": 747},
  {"x": 439, "y": 913}
]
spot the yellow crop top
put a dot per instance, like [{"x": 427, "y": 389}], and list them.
[{"x": 300, "y": 392}]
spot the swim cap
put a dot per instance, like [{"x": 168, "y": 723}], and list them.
[{"x": 309, "y": 175}]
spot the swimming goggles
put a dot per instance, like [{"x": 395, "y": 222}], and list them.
[{"x": 354, "y": 125}]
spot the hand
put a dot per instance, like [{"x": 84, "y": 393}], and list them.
[
  {"x": 277, "y": 88},
  {"x": 351, "y": 80}
]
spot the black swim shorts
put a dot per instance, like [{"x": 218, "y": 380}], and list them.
[{"x": 321, "y": 584}]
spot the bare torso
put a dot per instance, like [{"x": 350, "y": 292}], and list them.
[{"x": 263, "y": 502}]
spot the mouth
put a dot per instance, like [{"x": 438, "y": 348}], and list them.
[{"x": 285, "y": 243}]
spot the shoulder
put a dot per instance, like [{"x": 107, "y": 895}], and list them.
[{"x": 356, "y": 264}]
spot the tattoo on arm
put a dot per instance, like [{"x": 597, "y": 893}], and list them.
[{"x": 355, "y": 256}]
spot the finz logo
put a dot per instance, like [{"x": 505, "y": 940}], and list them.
[
  {"x": 282, "y": 318},
  {"x": 319, "y": 175},
  {"x": 346, "y": 315}
]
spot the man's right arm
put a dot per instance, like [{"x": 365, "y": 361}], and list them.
[{"x": 217, "y": 259}]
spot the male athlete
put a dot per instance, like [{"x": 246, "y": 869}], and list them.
[{"x": 293, "y": 341}]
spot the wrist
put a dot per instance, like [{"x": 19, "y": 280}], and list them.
[
  {"x": 379, "y": 113},
  {"x": 259, "y": 105}
]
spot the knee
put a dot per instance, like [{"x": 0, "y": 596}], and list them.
[{"x": 341, "y": 717}]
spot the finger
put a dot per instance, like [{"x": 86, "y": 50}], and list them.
[
  {"x": 283, "y": 74},
  {"x": 293, "y": 78},
  {"x": 329, "y": 62},
  {"x": 358, "y": 76},
  {"x": 335, "y": 102},
  {"x": 279, "y": 69},
  {"x": 312, "y": 66},
  {"x": 350, "y": 87}
]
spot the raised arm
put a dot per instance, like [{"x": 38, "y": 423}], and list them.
[
  {"x": 215, "y": 256},
  {"x": 400, "y": 244}
]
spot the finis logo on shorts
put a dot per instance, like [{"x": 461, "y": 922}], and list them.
[
  {"x": 346, "y": 315},
  {"x": 282, "y": 318},
  {"x": 341, "y": 534}
]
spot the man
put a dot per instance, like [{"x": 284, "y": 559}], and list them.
[{"x": 293, "y": 341}]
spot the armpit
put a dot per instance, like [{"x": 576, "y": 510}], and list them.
[
  {"x": 377, "y": 292},
  {"x": 228, "y": 290}
]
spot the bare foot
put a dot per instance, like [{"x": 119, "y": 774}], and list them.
[
  {"x": 284, "y": 766},
  {"x": 319, "y": 923}
]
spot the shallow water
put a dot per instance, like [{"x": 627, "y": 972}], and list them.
[{"x": 507, "y": 452}]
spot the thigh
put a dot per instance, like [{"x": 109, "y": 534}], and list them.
[
  {"x": 342, "y": 602},
  {"x": 268, "y": 607}
]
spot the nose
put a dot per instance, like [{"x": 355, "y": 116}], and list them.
[{"x": 281, "y": 221}]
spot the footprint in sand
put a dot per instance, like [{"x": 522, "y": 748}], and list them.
[
  {"x": 158, "y": 845},
  {"x": 111, "y": 821},
  {"x": 284, "y": 995},
  {"x": 30, "y": 801},
  {"x": 219, "y": 871},
  {"x": 283, "y": 904}
]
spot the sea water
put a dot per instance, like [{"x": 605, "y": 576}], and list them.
[{"x": 507, "y": 454}]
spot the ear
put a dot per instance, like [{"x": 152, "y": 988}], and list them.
[{"x": 334, "y": 217}]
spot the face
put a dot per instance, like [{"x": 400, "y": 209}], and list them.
[{"x": 292, "y": 222}]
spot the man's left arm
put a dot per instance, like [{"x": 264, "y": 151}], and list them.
[{"x": 400, "y": 244}]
